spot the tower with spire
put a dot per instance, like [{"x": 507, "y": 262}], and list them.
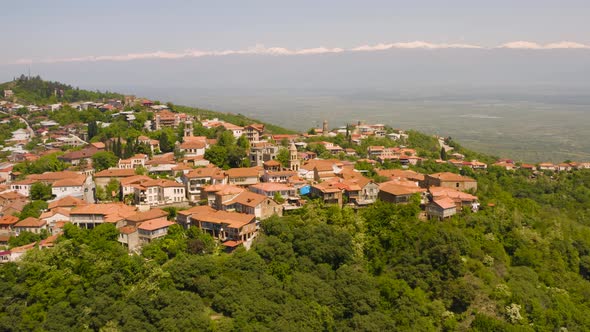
[{"x": 294, "y": 162}]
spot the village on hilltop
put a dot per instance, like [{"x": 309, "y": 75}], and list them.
[{"x": 223, "y": 177}]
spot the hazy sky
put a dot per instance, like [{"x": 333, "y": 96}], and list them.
[{"x": 48, "y": 30}]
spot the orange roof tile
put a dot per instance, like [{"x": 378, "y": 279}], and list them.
[{"x": 152, "y": 225}]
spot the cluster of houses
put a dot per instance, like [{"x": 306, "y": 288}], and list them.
[{"x": 226, "y": 203}]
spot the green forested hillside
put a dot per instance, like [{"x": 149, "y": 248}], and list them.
[
  {"x": 522, "y": 264},
  {"x": 37, "y": 91}
]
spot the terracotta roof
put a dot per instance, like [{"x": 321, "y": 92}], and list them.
[
  {"x": 8, "y": 220},
  {"x": 272, "y": 163},
  {"x": 79, "y": 154},
  {"x": 115, "y": 172},
  {"x": 196, "y": 209},
  {"x": 328, "y": 187},
  {"x": 112, "y": 212},
  {"x": 134, "y": 179},
  {"x": 205, "y": 172},
  {"x": 448, "y": 176},
  {"x": 151, "y": 225},
  {"x": 247, "y": 198},
  {"x": 161, "y": 183},
  {"x": 53, "y": 212},
  {"x": 193, "y": 145},
  {"x": 398, "y": 189},
  {"x": 451, "y": 193},
  {"x": 147, "y": 215},
  {"x": 71, "y": 182},
  {"x": 54, "y": 176},
  {"x": 233, "y": 219},
  {"x": 225, "y": 188},
  {"x": 445, "y": 203},
  {"x": 271, "y": 186},
  {"x": 400, "y": 173},
  {"x": 12, "y": 196},
  {"x": 231, "y": 243},
  {"x": 67, "y": 201},
  {"x": 127, "y": 229},
  {"x": 242, "y": 172},
  {"x": 31, "y": 222}
]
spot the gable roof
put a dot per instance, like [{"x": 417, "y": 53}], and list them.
[
  {"x": 31, "y": 222},
  {"x": 452, "y": 177},
  {"x": 67, "y": 201},
  {"x": 243, "y": 172},
  {"x": 247, "y": 198},
  {"x": 445, "y": 203},
  {"x": 8, "y": 220},
  {"x": 397, "y": 189},
  {"x": 152, "y": 225},
  {"x": 147, "y": 215},
  {"x": 115, "y": 172}
]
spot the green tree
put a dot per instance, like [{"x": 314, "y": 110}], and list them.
[
  {"x": 217, "y": 155},
  {"x": 283, "y": 157},
  {"x": 104, "y": 160},
  {"x": 40, "y": 191},
  {"x": 33, "y": 209}
]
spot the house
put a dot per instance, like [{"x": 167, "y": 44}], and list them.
[
  {"x": 67, "y": 202},
  {"x": 402, "y": 174},
  {"x": 30, "y": 224},
  {"x": 441, "y": 208},
  {"x": 193, "y": 146},
  {"x": 128, "y": 184},
  {"x": 505, "y": 165},
  {"x": 451, "y": 180},
  {"x": 547, "y": 167},
  {"x": 143, "y": 227},
  {"x": 7, "y": 223},
  {"x": 133, "y": 162},
  {"x": 103, "y": 177},
  {"x": 461, "y": 199},
  {"x": 278, "y": 176},
  {"x": 271, "y": 190},
  {"x": 399, "y": 192},
  {"x": 237, "y": 131},
  {"x": 91, "y": 215},
  {"x": 251, "y": 203},
  {"x": 10, "y": 197},
  {"x": 152, "y": 230},
  {"x": 198, "y": 178},
  {"x": 224, "y": 225},
  {"x": 216, "y": 194},
  {"x": 328, "y": 192},
  {"x": 261, "y": 152},
  {"x": 55, "y": 215},
  {"x": 76, "y": 157},
  {"x": 156, "y": 192},
  {"x": 254, "y": 132},
  {"x": 80, "y": 186},
  {"x": 22, "y": 187},
  {"x": 360, "y": 190},
  {"x": 243, "y": 176}
]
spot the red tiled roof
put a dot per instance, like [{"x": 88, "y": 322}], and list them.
[
  {"x": 151, "y": 225},
  {"x": 115, "y": 172},
  {"x": 31, "y": 222}
]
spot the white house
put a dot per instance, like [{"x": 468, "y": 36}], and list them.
[{"x": 23, "y": 187}]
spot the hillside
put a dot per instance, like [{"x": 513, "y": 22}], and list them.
[{"x": 35, "y": 90}]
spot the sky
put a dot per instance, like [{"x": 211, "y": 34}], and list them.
[{"x": 107, "y": 30}]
